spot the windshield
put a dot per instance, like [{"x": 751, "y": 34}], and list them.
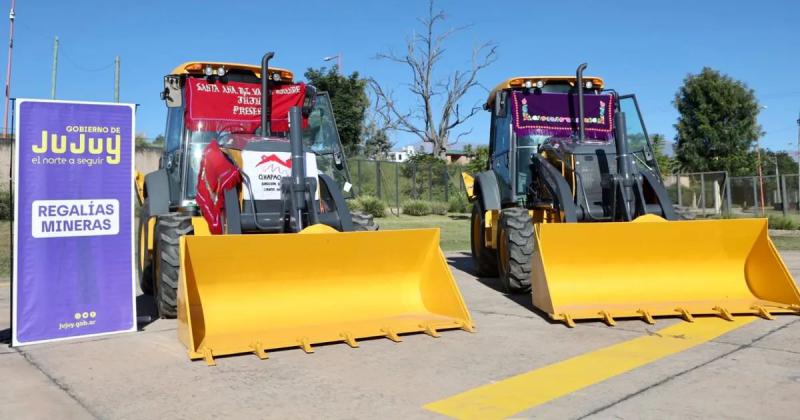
[
  {"x": 638, "y": 142},
  {"x": 322, "y": 137},
  {"x": 229, "y": 120}
]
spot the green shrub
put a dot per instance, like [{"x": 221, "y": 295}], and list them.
[
  {"x": 355, "y": 205},
  {"x": 371, "y": 205},
  {"x": 458, "y": 204},
  {"x": 417, "y": 208},
  {"x": 439, "y": 207},
  {"x": 782, "y": 223}
]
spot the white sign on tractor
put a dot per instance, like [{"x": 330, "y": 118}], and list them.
[{"x": 267, "y": 169}]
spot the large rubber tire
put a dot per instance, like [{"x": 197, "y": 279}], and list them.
[
  {"x": 169, "y": 229},
  {"x": 483, "y": 259},
  {"x": 363, "y": 221},
  {"x": 144, "y": 260},
  {"x": 514, "y": 250}
]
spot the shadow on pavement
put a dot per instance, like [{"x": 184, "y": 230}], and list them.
[
  {"x": 5, "y": 336},
  {"x": 146, "y": 312},
  {"x": 463, "y": 262}
]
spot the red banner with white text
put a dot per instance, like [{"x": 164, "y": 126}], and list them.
[{"x": 236, "y": 106}]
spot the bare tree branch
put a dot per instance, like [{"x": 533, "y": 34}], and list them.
[{"x": 431, "y": 119}]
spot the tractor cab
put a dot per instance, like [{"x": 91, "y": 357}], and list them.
[
  {"x": 536, "y": 119},
  {"x": 221, "y": 102}
]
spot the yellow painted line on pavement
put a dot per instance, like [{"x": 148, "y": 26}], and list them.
[{"x": 525, "y": 391}]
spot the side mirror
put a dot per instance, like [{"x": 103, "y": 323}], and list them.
[
  {"x": 500, "y": 104},
  {"x": 338, "y": 159},
  {"x": 309, "y": 100},
  {"x": 172, "y": 94}
]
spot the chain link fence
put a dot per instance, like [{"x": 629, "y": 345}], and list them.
[
  {"x": 397, "y": 182},
  {"x": 700, "y": 194},
  {"x": 714, "y": 194}
]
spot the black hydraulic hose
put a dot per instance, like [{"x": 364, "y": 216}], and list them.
[
  {"x": 586, "y": 201},
  {"x": 246, "y": 181}
]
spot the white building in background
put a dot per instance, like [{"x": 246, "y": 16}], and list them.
[{"x": 402, "y": 155}]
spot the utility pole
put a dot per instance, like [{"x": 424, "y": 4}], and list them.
[
  {"x": 116, "y": 79},
  {"x": 55, "y": 70},
  {"x": 8, "y": 66},
  {"x": 760, "y": 175},
  {"x": 778, "y": 181}
]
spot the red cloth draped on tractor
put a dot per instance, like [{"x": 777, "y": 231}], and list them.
[
  {"x": 217, "y": 174},
  {"x": 236, "y": 106}
]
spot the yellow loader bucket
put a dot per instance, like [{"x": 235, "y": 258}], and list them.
[
  {"x": 250, "y": 293},
  {"x": 651, "y": 267}
]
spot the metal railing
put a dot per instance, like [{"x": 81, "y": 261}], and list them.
[{"x": 397, "y": 182}]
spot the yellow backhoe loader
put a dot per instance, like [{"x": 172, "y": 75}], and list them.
[
  {"x": 572, "y": 206},
  {"x": 267, "y": 255}
]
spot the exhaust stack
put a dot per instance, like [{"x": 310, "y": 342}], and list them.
[
  {"x": 266, "y": 106},
  {"x": 579, "y": 82}
]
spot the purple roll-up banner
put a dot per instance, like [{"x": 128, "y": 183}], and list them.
[{"x": 73, "y": 272}]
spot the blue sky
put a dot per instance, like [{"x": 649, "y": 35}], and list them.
[{"x": 642, "y": 47}]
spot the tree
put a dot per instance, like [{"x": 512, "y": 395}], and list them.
[
  {"x": 438, "y": 98},
  {"x": 664, "y": 162},
  {"x": 786, "y": 164},
  {"x": 349, "y": 101},
  {"x": 376, "y": 142},
  {"x": 717, "y": 123},
  {"x": 159, "y": 141},
  {"x": 480, "y": 159},
  {"x": 140, "y": 140}
]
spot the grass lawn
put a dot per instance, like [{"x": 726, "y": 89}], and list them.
[
  {"x": 454, "y": 228},
  {"x": 787, "y": 243}
]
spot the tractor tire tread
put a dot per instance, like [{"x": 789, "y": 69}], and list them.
[
  {"x": 363, "y": 222},
  {"x": 169, "y": 229},
  {"x": 516, "y": 222}
]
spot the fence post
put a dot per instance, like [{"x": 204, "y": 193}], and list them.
[
  {"x": 782, "y": 195},
  {"x": 728, "y": 198},
  {"x": 414, "y": 181},
  {"x": 755, "y": 196},
  {"x": 680, "y": 202},
  {"x": 430, "y": 182},
  {"x": 446, "y": 176},
  {"x": 703, "y": 192},
  {"x": 378, "y": 178},
  {"x": 358, "y": 174},
  {"x": 397, "y": 186}
]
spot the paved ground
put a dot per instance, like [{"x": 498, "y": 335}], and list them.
[{"x": 753, "y": 372}]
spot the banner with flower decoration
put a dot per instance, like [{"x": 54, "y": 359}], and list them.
[{"x": 556, "y": 115}]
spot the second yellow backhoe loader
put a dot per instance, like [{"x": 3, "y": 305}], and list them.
[{"x": 572, "y": 207}]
